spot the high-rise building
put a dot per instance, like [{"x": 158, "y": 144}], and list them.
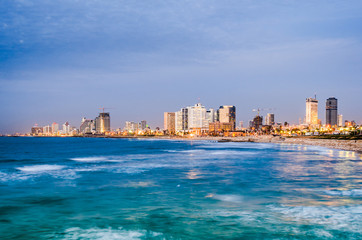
[
  {"x": 143, "y": 125},
  {"x": 55, "y": 128},
  {"x": 269, "y": 120},
  {"x": 181, "y": 120},
  {"x": 257, "y": 122},
  {"x": 197, "y": 117},
  {"x": 103, "y": 122},
  {"x": 169, "y": 121},
  {"x": 241, "y": 124},
  {"x": 211, "y": 116},
  {"x": 226, "y": 114},
  {"x": 86, "y": 126},
  {"x": 340, "y": 120},
  {"x": 47, "y": 130},
  {"x": 66, "y": 128},
  {"x": 311, "y": 113},
  {"x": 331, "y": 111}
]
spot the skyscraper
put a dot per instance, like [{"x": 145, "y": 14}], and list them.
[
  {"x": 181, "y": 120},
  {"x": 269, "y": 120},
  {"x": 226, "y": 114},
  {"x": 340, "y": 120},
  {"x": 197, "y": 117},
  {"x": 311, "y": 113},
  {"x": 103, "y": 122},
  {"x": 331, "y": 111},
  {"x": 55, "y": 128},
  {"x": 169, "y": 121}
]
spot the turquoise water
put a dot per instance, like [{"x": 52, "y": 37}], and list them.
[{"x": 79, "y": 188}]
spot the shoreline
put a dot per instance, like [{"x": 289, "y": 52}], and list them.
[{"x": 347, "y": 145}]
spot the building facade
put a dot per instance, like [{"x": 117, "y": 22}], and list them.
[
  {"x": 269, "y": 120},
  {"x": 311, "y": 113},
  {"x": 169, "y": 119},
  {"x": 103, "y": 122},
  {"x": 340, "y": 120},
  {"x": 227, "y": 114},
  {"x": 181, "y": 120},
  {"x": 331, "y": 111}
]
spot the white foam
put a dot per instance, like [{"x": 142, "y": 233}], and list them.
[
  {"x": 352, "y": 192},
  {"x": 108, "y": 233},
  {"x": 228, "y": 198},
  {"x": 98, "y": 159},
  {"x": 333, "y": 217},
  {"x": 40, "y": 168}
]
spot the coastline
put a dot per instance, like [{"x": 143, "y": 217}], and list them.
[{"x": 347, "y": 145}]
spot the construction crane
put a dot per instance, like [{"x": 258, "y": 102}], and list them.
[
  {"x": 261, "y": 109},
  {"x": 102, "y": 108}
]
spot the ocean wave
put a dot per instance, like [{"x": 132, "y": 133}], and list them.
[
  {"x": 98, "y": 159},
  {"x": 109, "y": 233},
  {"x": 351, "y": 193},
  {"x": 332, "y": 217},
  {"x": 227, "y": 198},
  {"x": 40, "y": 168}
]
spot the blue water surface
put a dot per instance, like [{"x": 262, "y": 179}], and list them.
[{"x": 96, "y": 188}]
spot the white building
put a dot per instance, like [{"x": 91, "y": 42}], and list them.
[
  {"x": 269, "y": 120},
  {"x": 311, "y": 112}
]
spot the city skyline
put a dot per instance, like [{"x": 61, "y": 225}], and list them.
[{"x": 61, "y": 61}]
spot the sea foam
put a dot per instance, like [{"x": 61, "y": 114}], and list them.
[
  {"x": 109, "y": 233},
  {"x": 40, "y": 168}
]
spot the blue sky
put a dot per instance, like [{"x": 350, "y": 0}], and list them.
[{"x": 62, "y": 60}]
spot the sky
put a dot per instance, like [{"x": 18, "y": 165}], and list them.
[{"x": 62, "y": 60}]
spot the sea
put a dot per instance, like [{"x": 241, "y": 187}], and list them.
[{"x": 108, "y": 188}]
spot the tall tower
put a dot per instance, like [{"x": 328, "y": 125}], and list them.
[
  {"x": 103, "y": 122},
  {"x": 169, "y": 121},
  {"x": 269, "y": 120},
  {"x": 331, "y": 111},
  {"x": 226, "y": 114},
  {"x": 311, "y": 112}
]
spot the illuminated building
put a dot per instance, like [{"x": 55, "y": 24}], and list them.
[
  {"x": 269, "y": 120},
  {"x": 103, "y": 122},
  {"x": 142, "y": 125},
  {"x": 340, "y": 120},
  {"x": 36, "y": 130},
  {"x": 47, "y": 130},
  {"x": 169, "y": 121},
  {"x": 86, "y": 126},
  {"x": 181, "y": 120},
  {"x": 331, "y": 111},
  {"x": 197, "y": 117},
  {"x": 66, "y": 128},
  {"x": 311, "y": 113},
  {"x": 257, "y": 122},
  {"x": 241, "y": 124},
  {"x": 219, "y": 127},
  {"x": 55, "y": 128},
  {"x": 226, "y": 114}
]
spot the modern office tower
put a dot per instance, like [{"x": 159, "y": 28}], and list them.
[
  {"x": 331, "y": 111},
  {"x": 66, "y": 128},
  {"x": 169, "y": 121},
  {"x": 269, "y": 120},
  {"x": 181, "y": 120},
  {"x": 131, "y": 127},
  {"x": 143, "y": 125},
  {"x": 86, "y": 126},
  {"x": 55, "y": 128},
  {"x": 197, "y": 117},
  {"x": 103, "y": 122},
  {"x": 211, "y": 116},
  {"x": 226, "y": 114},
  {"x": 257, "y": 122},
  {"x": 340, "y": 120},
  {"x": 36, "y": 130},
  {"x": 47, "y": 130},
  {"x": 311, "y": 113}
]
